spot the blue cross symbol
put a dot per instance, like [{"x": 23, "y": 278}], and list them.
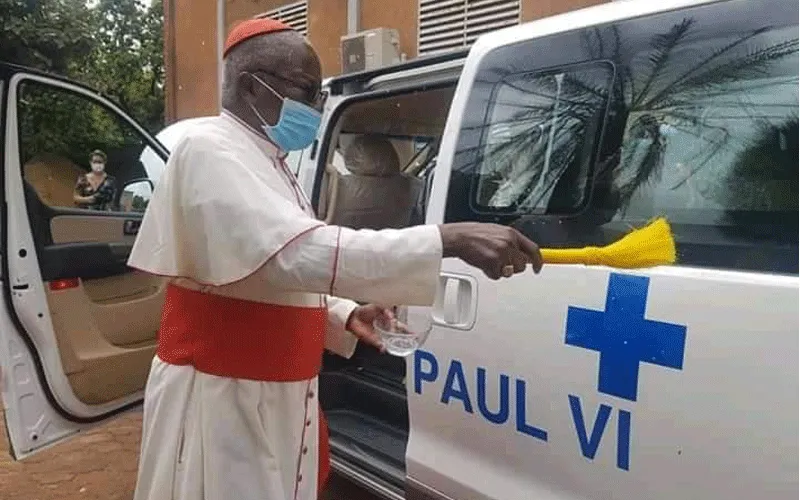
[{"x": 624, "y": 338}]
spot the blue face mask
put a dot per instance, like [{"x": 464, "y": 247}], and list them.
[{"x": 297, "y": 125}]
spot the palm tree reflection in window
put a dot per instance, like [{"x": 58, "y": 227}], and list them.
[
  {"x": 688, "y": 126},
  {"x": 538, "y": 124}
]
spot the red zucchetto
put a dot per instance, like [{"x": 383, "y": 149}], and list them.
[{"x": 250, "y": 28}]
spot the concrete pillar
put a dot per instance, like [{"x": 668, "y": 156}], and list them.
[{"x": 353, "y": 16}]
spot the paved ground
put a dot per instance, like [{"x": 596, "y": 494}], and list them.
[{"x": 99, "y": 465}]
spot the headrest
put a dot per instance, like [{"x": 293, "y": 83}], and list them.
[
  {"x": 372, "y": 155},
  {"x": 250, "y": 28}
]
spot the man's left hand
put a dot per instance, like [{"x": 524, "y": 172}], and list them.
[{"x": 360, "y": 324}]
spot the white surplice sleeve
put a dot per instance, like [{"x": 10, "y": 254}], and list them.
[
  {"x": 218, "y": 213},
  {"x": 337, "y": 339},
  {"x": 388, "y": 267}
]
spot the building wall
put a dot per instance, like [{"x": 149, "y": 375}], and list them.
[
  {"x": 401, "y": 16},
  {"x": 236, "y": 10},
  {"x": 327, "y": 23},
  {"x": 191, "y": 40},
  {"x": 190, "y": 58},
  {"x": 537, "y": 9}
]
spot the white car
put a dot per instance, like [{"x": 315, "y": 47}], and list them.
[{"x": 582, "y": 382}]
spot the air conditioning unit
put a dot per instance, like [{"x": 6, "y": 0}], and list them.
[{"x": 370, "y": 49}]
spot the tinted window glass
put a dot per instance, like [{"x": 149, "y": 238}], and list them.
[
  {"x": 701, "y": 127},
  {"x": 63, "y": 133},
  {"x": 536, "y": 132},
  {"x": 719, "y": 135}
]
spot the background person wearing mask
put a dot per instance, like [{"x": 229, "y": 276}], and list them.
[{"x": 95, "y": 189}]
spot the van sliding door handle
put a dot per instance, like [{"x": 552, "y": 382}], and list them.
[{"x": 456, "y": 301}]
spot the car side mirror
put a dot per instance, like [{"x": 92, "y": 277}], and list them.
[{"x": 136, "y": 195}]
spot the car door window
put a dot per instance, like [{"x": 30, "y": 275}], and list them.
[
  {"x": 61, "y": 132},
  {"x": 698, "y": 115},
  {"x": 537, "y": 127}
]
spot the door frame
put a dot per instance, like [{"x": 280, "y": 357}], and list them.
[{"x": 35, "y": 388}]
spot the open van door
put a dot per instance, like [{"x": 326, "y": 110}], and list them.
[{"x": 77, "y": 326}]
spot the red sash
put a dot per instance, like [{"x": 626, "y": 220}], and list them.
[{"x": 236, "y": 338}]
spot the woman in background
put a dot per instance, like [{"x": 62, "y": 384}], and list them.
[{"x": 95, "y": 190}]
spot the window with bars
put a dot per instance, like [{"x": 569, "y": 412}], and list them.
[
  {"x": 294, "y": 14},
  {"x": 446, "y": 25}
]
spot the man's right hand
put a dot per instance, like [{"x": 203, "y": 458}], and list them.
[{"x": 492, "y": 248}]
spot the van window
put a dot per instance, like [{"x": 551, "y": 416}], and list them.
[
  {"x": 379, "y": 155},
  {"x": 537, "y": 130},
  {"x": 61, "y": 132},
  {"x": 701, "y": 127}
]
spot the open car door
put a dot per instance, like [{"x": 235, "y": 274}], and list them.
[{"x": 77, "y": 326}]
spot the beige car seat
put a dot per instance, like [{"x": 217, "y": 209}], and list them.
[
  {"x": 53, "y": 178},
  {"x": 375, "y": 194}
]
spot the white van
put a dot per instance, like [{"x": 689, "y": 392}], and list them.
[{"x": 578, "y": 383}]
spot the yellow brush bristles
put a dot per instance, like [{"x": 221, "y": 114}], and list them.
[{"x": 651, "y": 245}]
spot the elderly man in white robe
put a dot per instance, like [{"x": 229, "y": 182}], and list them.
[{"x": 259, "y": 286}]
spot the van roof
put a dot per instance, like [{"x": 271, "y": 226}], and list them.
[
  {"x": 606, "y": 13},
  {"x": 337, "y": 82}
]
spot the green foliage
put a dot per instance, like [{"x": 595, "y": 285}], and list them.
[
  {"x": 128, "y": 62},
  {"x": 55, "y": 35},
  {"x": 764, "y": 174},
  {"x": 139, "y": 203},
  {"x": 115, "y": 46},
  {"x": 57, "y": 123}
]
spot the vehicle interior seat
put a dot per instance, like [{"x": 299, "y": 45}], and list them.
[
  {"x": 53, "y": 177},
  {"x": 39, "y": 214},
  {"x": 375, "y": 194}
]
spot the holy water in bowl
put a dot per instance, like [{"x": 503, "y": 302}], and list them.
[{"x": 398, "y": 339}]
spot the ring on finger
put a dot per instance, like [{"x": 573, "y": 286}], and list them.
[{"x": 508, "y": 271}]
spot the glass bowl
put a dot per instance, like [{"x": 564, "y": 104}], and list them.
[{"x": 396, "y": 336}]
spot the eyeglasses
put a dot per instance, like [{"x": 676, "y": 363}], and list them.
[{"x": 314, "y": 96}]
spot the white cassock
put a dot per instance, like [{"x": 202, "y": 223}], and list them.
[{"x": 230, "y": 408}]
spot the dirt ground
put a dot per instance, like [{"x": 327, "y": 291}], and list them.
[{"x": 98, "y": 465}]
